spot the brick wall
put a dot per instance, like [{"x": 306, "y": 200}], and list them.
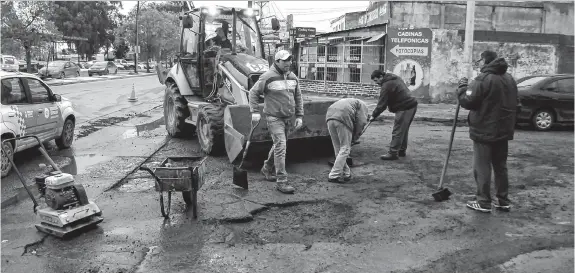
[{"x": 340, "y": 88}]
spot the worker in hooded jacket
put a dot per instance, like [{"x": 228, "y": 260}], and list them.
[{"x": 492, "y": 101}]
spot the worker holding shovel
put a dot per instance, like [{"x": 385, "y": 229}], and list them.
[
  {"x": 492, "y": 101},
  {"x": 282, "y": 100},
  {"x": 346, "y": 120}
]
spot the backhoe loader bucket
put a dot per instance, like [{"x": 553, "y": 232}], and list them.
[{"x": 237, "y": 125}]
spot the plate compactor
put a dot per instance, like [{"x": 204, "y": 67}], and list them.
[{"x": 68, "y": 208}]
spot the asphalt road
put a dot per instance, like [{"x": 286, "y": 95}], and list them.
[{"x": 384, "y": 220}]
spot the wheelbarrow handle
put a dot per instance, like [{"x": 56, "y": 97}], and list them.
[{"x": 143, "y": 168}]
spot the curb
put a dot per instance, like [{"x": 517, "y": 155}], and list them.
[
  {"x": 99, "y": 80},
  {"x": 447, "y": 121}
]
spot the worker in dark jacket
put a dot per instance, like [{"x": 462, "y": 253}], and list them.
[
  {"x": 492, "y": 101},
  {"x": 395, "y": 95},
  {"x": 345, "y": 119}
]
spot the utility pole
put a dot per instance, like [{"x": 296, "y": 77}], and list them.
[
  {"x": 468, "y": 46},
  {"x": 137, "y": 45},
  {"x": 250, "y": 4}
]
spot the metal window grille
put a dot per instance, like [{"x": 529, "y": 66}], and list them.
[{"x": 350, "y": 60}]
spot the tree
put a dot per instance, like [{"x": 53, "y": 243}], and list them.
[
  {"x": 158, "y": 32},
  {"x": 93, "y": 20},
  {"x": 25, "y": 22}
]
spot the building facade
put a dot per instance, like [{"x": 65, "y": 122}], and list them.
[{"x": 534, "y": 37}]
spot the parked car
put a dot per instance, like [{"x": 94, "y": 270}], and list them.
[
  {"x": 23, "y": 66},
  {"x": 59, "y": 69},
  {"x": 103, "y": 68},
  {"x": 9, "y": 63},
  {"x": 89, "y": 64},
  {"x": 545, "y": 100},
  {"x": 29, "y": 107}
]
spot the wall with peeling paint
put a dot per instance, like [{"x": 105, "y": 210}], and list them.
[{"x": 447, "y": 65}]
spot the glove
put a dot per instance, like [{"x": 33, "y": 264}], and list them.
[
  {"x": 355, "y": 142},
  {"x": 256, "y": 117},
  {"x": 298, "y": 123},
  {"x": 370, "y": 118},
  {"x": 463, "y": 81}
]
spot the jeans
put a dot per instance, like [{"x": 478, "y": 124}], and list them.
[
  {"x": 341, "y": 140},
  {"x": 400, "y": 131},
  {"x": 278, "y": 128},
  {"x": 485, "y": 156}
]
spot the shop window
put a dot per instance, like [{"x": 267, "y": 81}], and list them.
[
  {"x": 331, "y": 74},
  {"x": 354, "y": 74},
  {"x": 320, "y": 72}
]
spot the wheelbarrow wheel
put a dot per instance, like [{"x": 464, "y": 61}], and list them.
[{"x": 165, "y": 208}]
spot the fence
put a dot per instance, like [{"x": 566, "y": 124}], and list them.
[{"x": 341, "y": 69}]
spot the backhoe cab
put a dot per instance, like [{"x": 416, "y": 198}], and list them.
[{"x": 221, "y": 57}]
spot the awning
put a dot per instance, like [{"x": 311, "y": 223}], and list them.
[
  {"x": 375, "y": 38},
  {"x": 359, "y": 39}
]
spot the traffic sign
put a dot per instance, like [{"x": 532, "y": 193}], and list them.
[{"x": 302, "y": 32}]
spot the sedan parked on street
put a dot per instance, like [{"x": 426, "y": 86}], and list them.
[
  {"x": 546, "y": 100},
  {"x": 60, "y": 70},
  {"x": 103, "y": 68}
]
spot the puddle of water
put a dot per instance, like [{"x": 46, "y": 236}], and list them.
[{"x": 80, "y": 163}]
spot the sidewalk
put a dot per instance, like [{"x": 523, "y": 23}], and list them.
[
  {"x": 441, "y": 112},
  {"x": 82, "y": 79}
]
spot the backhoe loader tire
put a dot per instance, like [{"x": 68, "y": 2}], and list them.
[
  {"x": 210, "y": 129},
  {"x": 175, "y": 112}
]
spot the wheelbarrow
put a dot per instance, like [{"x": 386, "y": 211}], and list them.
[{"x": 178, "y": 174}]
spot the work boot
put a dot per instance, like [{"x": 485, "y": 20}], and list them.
[
  {"x": 269, "y": 176},
  {"x": 347, "y": 178},
  {"x": 284, "y": 187},
  {"x": 505, "y": 208},
  {"x": 389, "y": 156},
  {"x": 337, "y": 180},
  {"x": 401, "y": 153}
]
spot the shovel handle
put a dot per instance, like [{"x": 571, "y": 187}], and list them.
[
  {"x": 248, "y": 142},
  {"x": 366, "y": 126},
  {"x": 449, "y": 149}
]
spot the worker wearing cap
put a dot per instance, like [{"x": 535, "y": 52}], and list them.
[{"x": 282, "y": 101}]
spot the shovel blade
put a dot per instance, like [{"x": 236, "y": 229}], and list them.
[
  {"x": 441, "y": 195},
  {"x": 240, "y": 177}
]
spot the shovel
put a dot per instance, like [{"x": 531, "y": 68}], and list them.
[
  {"x": 240, "y": 175},
  {"x": 442, "y": 193}
]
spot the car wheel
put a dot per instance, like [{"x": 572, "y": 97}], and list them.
[
  {"x": 543, "y": 120},
  {"x": 62, "y": 75},
  {"x": 6, "y": 166},
  {"x": 89, "y": 74},
  {"x": 106, "y": 71},
  {"x": 77, "y": 74},
  {"x": 67, "y": 137},
  {"x": 116, "y": 71}
]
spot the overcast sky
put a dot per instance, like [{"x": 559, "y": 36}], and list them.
[{"x": 306, "y": 13}]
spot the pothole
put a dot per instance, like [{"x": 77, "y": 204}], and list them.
[{"x": 301, "y": 223}]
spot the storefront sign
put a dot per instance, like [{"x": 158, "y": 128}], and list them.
[
  {"x": 302, "y": 32},
  {"x": 409, "y": 57}
]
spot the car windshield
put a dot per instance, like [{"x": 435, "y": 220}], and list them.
[
  {"x": 8, "y": 60},
  {"x": 530, "y": 82},
  {"x": 100, "y": 64},
  {"x": 56, "y": 64},
  {"x": 245, "y": 31}
]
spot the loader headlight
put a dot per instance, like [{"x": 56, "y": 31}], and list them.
[
  {"x": 211, "y": 11},
  {"x": 250, "y": 12}
]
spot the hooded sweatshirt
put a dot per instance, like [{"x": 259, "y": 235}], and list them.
[
  {"x": 395, "y": 95},
  {"x": 351, "y": 112},
  {"x": 282, "y": 96},
  {"x": 492, "y": 101}
]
